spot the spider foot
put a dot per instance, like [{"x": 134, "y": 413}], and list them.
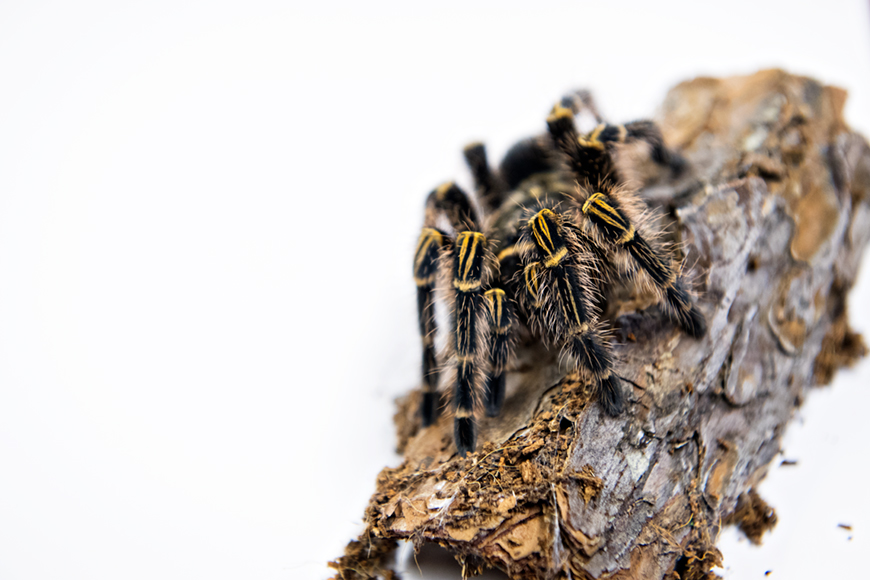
[
  {"x": 611, "y": 395},
  {"x": 494, "y": 394},
  {"x": 464, "y": 434},
  {"x": 684, "y": 312}
]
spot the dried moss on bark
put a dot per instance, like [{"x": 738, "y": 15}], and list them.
[{"x": 773, "y": 219}]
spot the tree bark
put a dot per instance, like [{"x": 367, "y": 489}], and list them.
[{"x": 772, "y": 217}]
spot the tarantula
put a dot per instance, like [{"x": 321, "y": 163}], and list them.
[{"x": 557, "y": 223}]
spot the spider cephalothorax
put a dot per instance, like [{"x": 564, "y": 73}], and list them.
[{"x": 557, "y": 224}]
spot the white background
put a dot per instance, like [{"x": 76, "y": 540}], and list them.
[{"x": 207, "y": 216}]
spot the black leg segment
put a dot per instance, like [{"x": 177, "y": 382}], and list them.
[
  {"x": 501, "y": 322},
  {"x": 574, "y": 313},
  {"x": 489, "y": 187},
  {"x": 426, "y": 257},
  {"x": 468, "y": 254},
  {"x": 604, "y": 211}
]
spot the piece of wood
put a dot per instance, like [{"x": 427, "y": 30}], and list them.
[{"x": 772, "y": 217}]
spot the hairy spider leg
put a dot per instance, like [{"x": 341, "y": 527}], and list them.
[
  {"x": 592, "y": 163},
  {"x": 604, "y": 212},
  {"x": 574, "y": 318},
  {"x": 649, "y": 132},
  {"x": 581, "y": 100},
  {"x": 510, "y": 264},
  {"x": 591, "y": 156},
  {"x": 500, "y": 317},
  {"x": 467, "y": 271},
  {"x": 491, "y": 190},
  {"x": 451, "y": 203},
  {"x": 426, "y": 258},
  {"x": 489, "y": 187},
  {"x": 465, "y": 256}
]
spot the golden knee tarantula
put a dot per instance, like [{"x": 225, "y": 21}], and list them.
[{"x": 557, "y": 223}]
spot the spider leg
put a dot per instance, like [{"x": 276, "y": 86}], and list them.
[
  {"x": 650, "y": 133},
  {"x": 448, "y": 203},
  {"x": 592, "y": 163},
  {"x": 590, "y": 156},
  {"x": 468, "y": 328},
  {"x": 510, "y": 263},
  {"x": 501, "y": 321},
  {"x": 426, "y": 259},
  {"x": 581, "y": 101},
  {"x": 464, "y": 261},
  {"x": 605, "y": 212},
  {"x": 559, "y": 288},
  {"x": 489, "y": 186}
]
